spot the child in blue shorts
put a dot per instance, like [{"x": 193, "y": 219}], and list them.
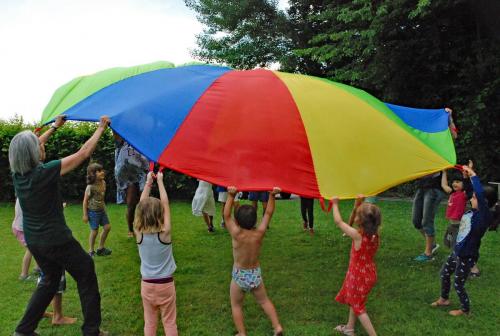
[{"x": 94, "y": 209}]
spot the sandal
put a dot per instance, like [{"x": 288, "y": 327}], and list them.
[{"x": 344, "y": 330}]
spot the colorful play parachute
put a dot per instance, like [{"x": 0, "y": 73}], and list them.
[{"x": 259, "y": 128}]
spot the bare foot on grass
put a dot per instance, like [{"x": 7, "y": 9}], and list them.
[
  {"x": 64, "y": 320},
  {"x": 440, "y": 303},
  {"x": 457, "y": 312}
]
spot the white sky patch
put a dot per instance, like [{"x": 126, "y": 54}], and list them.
[
  {"x": 45, "y": 44},
  {"x": 283, "y": 4}
]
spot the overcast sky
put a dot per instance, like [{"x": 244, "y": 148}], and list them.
[{"x": 46, "y": 43}]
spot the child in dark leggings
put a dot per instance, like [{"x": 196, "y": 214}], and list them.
[
  {"x": 307, "y": 211},
  {"x": 473, "y": 225}
]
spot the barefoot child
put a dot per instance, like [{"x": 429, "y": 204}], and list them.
[
  {"x": 362, "y": 273},
  {"x": 57, "y": 315},
  {"x": 152, "y": 228},
  {"x": 247, "y": 241},
  {"x": 473, "y": 225},
  {"x": 94, "y": 209}
]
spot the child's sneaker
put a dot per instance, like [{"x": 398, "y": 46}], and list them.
[
  {"x": 211, "y": 228},
  {"x": 91, "y": 254},
  {"x": 103, "y": 252},
  {"x": 25, "y": 277},
  {"x": 424, "y": 258},
  {"x": 305, "y": 226}
]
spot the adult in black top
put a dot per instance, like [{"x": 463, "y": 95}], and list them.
[{"x": 47, "y": 236}]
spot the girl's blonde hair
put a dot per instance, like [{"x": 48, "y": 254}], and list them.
[
  {"x": 149, "y": 216},
  {"x": 369, "y": 218},
  {"x": 92, "y": 170}
]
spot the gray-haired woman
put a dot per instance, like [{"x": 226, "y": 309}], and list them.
[{"x": 47, "y": 236}]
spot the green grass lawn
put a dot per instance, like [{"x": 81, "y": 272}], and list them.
[{"x": 302, "y": 274}]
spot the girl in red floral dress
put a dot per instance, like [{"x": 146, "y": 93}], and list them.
[{"x": 362, "y": 273}]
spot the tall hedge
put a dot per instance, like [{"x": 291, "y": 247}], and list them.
[{"x": 67, "y": 140}]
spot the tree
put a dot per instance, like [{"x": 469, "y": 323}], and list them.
[
  {"x": 425, "y": 53},
  {"x": 242, "y": 34}
]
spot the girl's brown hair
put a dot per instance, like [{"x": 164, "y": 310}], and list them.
[
  {"x": 92, "y": 170},
  {"x": 369, "y": 218},
  {"x": 149, "y": 216}
]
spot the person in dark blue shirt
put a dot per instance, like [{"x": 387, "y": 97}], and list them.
[{"x": 473, "y": 225}]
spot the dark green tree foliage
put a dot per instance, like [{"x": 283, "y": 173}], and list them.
[
  {"x": 66, "y": 141},
  {"x": 419, "y": 53},
  {"x": 241, "y": 34}
]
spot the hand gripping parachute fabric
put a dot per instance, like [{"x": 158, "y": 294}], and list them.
[{"x": 257, "y": 129}]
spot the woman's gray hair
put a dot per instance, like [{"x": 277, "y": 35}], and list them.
[{"x": 24, "y": 152}]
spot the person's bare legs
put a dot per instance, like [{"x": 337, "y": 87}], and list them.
[
  {"x": 260, "y": 295},
  {"x": 58, "y": 317},
  {"x": 237, "y": 297},
  {"x": 208, "y": 221},
  {"x": 367, "y": 324},
  {"x": 25, "y": 266},
  {"x": 104, "y": 234},
  {"x": 352, "y": 319},
  {"x": 132, "y": 200},
  {"x": 429, "y": 243},
  {"x": 222, "y": 214},
  {"x": 92, "y": 238}
]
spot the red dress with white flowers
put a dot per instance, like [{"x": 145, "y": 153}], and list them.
[{"x": 361, "y": 275}]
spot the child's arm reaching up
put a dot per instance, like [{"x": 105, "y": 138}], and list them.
[
  {"x": 228, "y": 219},
  {"x": 266, "y": 219},
  {"x": 444, "y": 183},
  {"x": 147, "y": 187},
  {"x": 346, "y": 228},
  {"x": 167, "y": 225}
]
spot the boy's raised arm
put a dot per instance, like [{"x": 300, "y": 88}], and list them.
[
  {"x": 147, "y": 188},
  {"x": 228, "y": 206},
  {"x": 266, "y": 219},
  {"x": 167, "y": 225}
]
